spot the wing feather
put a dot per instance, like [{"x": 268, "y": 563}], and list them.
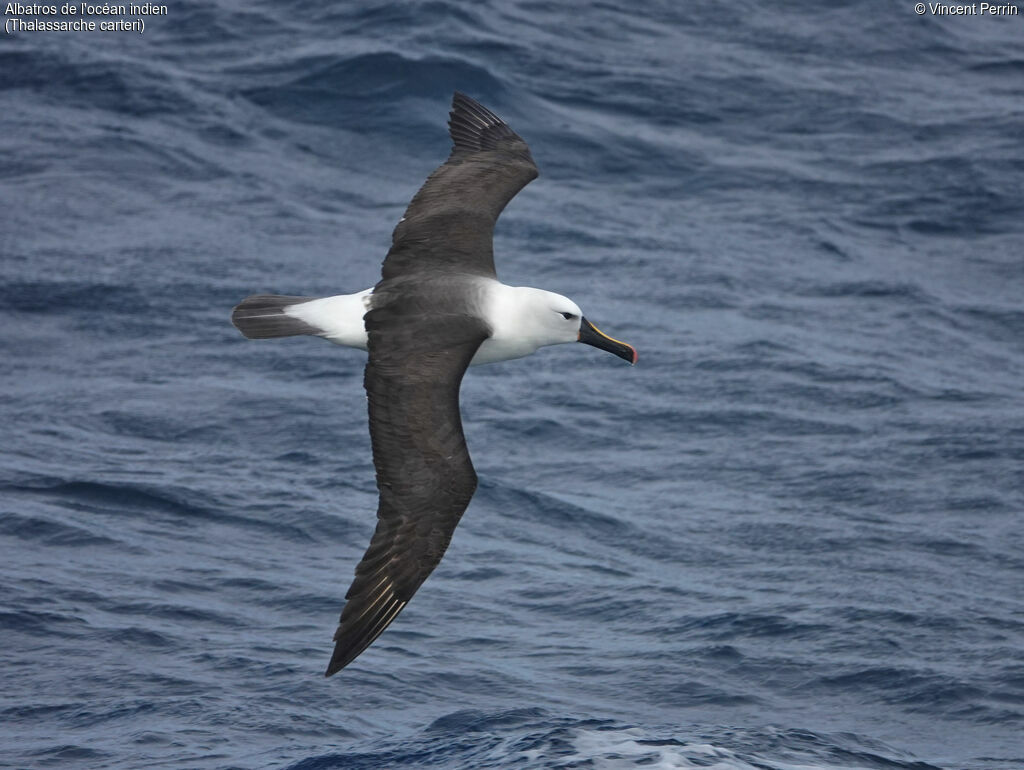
[
  {"x": 423, "y": 330},
  {"x": 449, "y": 225},
  {"x": 424, "y": 472}
]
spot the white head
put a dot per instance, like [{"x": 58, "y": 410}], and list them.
[
  {"x": 547, "y": 318},
  {"x": 535, "y": 318}
]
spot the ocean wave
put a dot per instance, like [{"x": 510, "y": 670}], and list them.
[
  {"x": 139, "y": 90},
  {"x": 51, "y": 533},
  {"x": 120, "y": 499},
  {"x": 369, "y": 92},
  {"x": 527, "y": 739},
  {"x": 73, "y": 297}
]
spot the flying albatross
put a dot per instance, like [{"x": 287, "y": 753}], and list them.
[{"x": 437, "y": 309}]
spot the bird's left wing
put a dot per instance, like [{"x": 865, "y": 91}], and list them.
[{"x": 424, "y": 472}]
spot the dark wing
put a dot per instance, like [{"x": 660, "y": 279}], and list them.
[
  {"x": 449, "y": 224},
  {"x": 424, "y": 473}
]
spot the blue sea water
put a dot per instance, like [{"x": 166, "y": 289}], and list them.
[{"x": 792, "y": 537}]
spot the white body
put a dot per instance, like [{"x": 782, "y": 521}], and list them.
[{"x": 522, "y": 319}]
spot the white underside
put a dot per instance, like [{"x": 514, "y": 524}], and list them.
[{"x": 510, "y": 311}]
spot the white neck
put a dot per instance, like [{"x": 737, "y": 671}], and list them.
[{"x": 522, "y": 320}]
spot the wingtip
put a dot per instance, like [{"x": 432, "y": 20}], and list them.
[
  {"x": 460, "y": 100},
  {"x": 338, "y": 662},
  {"x": 340, "y": 658},
  {"x": 473, "y": 127}
]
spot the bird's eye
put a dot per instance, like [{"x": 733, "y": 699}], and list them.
[{"x": 568, "y": 316}]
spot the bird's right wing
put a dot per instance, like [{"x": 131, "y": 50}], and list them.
[
  {"x": 449, "y": 225},
  {"x": 424, "y": 472}
]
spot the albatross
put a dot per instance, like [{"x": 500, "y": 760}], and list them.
[{"x": 438, "y": 309}]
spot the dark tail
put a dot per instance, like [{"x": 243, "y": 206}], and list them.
[{"x": 263, "y": 315}]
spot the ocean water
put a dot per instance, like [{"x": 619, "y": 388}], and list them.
[{"x": 791, "y": 537}]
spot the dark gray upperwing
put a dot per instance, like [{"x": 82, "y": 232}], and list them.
[
  {"x": 449, "y": 225},
  {"x": 418, "y": 355}
]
